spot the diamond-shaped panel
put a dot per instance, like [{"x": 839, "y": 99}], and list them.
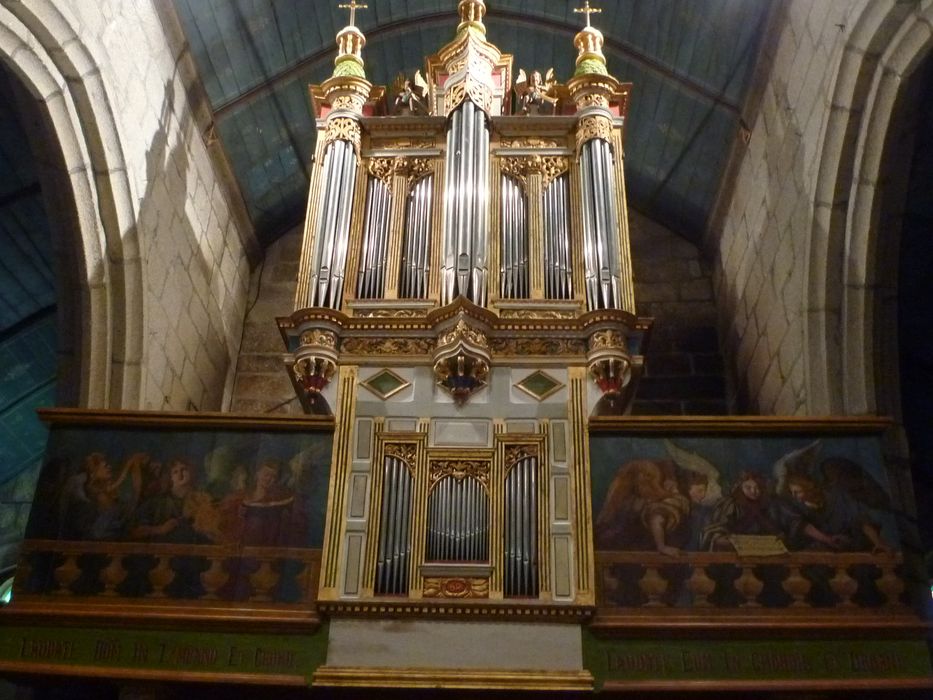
[
  {"x": 385, "y": 384},
  {"x": 539, "y": 385}
]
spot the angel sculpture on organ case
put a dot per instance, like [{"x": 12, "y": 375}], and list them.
[{"x": 534, "y": 94}]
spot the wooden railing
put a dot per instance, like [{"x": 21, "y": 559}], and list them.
[
  {"x": 154, "y": 571},
  {"x": 725, "y": 580}
]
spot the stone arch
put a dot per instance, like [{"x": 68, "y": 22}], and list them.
[
  {"x": 92, "y": 206},
  {"x": 846, "y": 337}
]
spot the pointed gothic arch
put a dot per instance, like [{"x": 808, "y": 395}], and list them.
[{"x": 91, "y": 201}]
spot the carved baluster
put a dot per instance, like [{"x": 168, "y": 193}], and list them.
[
  {"x": 749, "y": 587},
  {"x": 112, "y": 575},
  {"x": 797, "y": 587},
  {"x": 891, "y": 585},
  {"x": 844, "y": 586},
  {"x": 700, "y": 586},
  {"x": 653, "y": 585},
  {"x": 304, "y": 577},
  {"x": 67, "y": 574},
  {"x": 214, "y": 578},
  {"x": 264, "y": 580},
  {"x": 161, "y": 576}
]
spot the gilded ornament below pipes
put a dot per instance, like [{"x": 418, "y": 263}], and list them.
[{"x": 436, "y": 587}]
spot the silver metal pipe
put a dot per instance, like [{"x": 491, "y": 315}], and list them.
[
  {"x": 449, "y": 247},
  {"x": 465, "y": 237},
  {"x": 533, "y": 529},
  {"x": 480, "y": 198},
  {"x": 566, "y": 255},
  {"x": 342, "y": 226},
  {"x": 393, "y": 533},
  {"x": 333, "y": 164},
  {"x": 405, "y": 540},
  {"x": 602, "y": 237},
  {"x": 589, "y": 228},
  {"x": 424, "y": 239}
]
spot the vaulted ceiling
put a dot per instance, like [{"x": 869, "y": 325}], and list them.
[{"x": 690, "y": 61}]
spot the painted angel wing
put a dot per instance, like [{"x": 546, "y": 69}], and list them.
[
  {"x": 843, "y": 473},
  {"x": 798, "y": 461},
  {"x": 421, "y": 84},
  {"x": 549, "y": 79},
  {"x": 691, "y": 461},
  {"x": 521, "y": 82}
]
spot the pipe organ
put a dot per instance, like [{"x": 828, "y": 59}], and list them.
[{"x": 464, "y": 304}]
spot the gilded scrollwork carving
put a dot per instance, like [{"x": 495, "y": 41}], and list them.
[
  {"x": 381, "y": 169},
  {"x": 388, "y": 313},
  {"x": 404, "y": 451},
  {"x": 455, "y": 587},
  {"x": 319, "y": 338},
  {"x": 594, "y": 126},
  {"x": 459, "y": 469},
  {"x": 549, "y": 167},
  {"x": 343, "y": 129},
  {"x": 538, "y": 346},
  {"x": 387, "y": 346},
  {"x": 538, "y": 313},
  {"x": 514, "y": 453},
  {"x": 607, "y": 338},
  {"x": 530, "y": 142},
  {"x": 463, "y": 332}
]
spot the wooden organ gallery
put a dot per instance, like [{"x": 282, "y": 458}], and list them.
[
  {"x": 465, "y": 277},
  {"x": 466, "y": 503}
]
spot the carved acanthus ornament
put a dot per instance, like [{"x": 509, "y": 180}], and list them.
[
  {"x": 463, "y": 332},
  {"x": 382, "y": 169},
  {"x": 537, "y": 313},
  {"x": 459, "y": 469},
  {"x": 529, "y": 142},
  {"x": 608, "y": 338}
]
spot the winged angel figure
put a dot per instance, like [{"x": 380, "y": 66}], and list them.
[
  {"x": 534, "y": 93},
  {"x": 830, "y": 505},
  {"x": 410, "y": 95},
  {"x": 659, "y": 504}
]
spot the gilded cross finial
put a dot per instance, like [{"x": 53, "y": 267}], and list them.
[
  {"x": 353, "y": 6},
  {"x": 587, "y": 10}
]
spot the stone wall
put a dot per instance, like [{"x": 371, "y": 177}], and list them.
[
  {"x": 798, "y": 282},
  {"x": 163, "y": 238},
  {"x": 262, "y": 385},
  {"x": 673, "y": 284}
]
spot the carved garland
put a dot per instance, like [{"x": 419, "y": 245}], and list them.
[
  {"x": 455, "y": 587},
  {"x": 550, "y": 167},
  {"x": 538, "y": 346},
  {"x": 607, "y": 339}
]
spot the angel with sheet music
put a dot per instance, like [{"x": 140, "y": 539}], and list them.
[
  {"x": 411, "y": 96},
  {"x": 534, "y": 93}
]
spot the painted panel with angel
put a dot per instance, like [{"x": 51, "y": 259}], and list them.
[
  {"x": 193, "y": 492},
  {"x": 743, "y": 496}
]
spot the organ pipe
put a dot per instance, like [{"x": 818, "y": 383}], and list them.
[
  {"x": 333, "y": 225},
  {"x": 513, "y": 275},
  {"x": 558, "y": 273},
  {"x": 371, "y": 277},
  {"x": 521, "y": 532},
  {"x": 600, "y": 227},
  {"x": 466, "y": 204},
  {"x": 458, "y": 521},
  {"x": 416, "y": 246},
  {"x": 395, "y": 525}
]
